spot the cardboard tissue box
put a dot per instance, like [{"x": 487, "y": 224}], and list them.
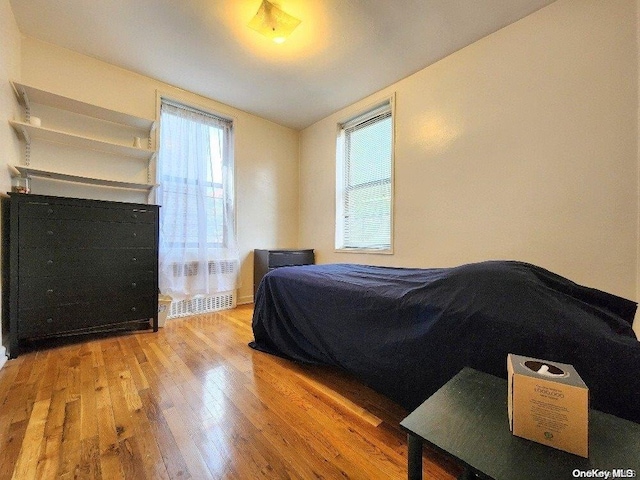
[{"x": 548, "y": 403}]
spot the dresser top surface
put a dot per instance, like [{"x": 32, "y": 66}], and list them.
[{"x": 47, "y": 199}]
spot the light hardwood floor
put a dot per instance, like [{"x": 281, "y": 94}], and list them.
[{"x": 193, "y": 401}]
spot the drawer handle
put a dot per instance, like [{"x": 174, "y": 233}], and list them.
[
  {"x": 133, "y": 309},
  {"x": 49, "y": 320},
  {"x": 49, "y": 262},
  {"x": 133, "y": 285}
]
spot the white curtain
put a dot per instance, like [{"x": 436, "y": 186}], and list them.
[{"x": 198, "y": 249}]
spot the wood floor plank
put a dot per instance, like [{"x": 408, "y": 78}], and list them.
[
  {"x": 188, "y": 449},
  {"x": 29, "y": 383},
  {"x": 87, "y": 363},
  {"x": 119, "y": 406},
  {"x": 156, "y": 386},
  {"x": 70, "y": 450},
  {"x": 164, "y": 387},
  {"x": 111, "y": 463},
  {"x": 74, "y": 378},
  {"x": 7, "y": 410},
  {"x": 213, "y": 449},
  {"x": 133, "y": 356},
  {"x": 63, "y": 357},
  {"x": 90, "y": 467},
  {"x": 344, "y": 402},
  {"x": 50, "y": 456},
  {"x": 39, "y": 364},
  {"x": 88, "y": 408},
  {"x": 48, "y": 378},
  {"x": 33, "y": 442},
  {"x": 193, "y": 401},
  {"x": 131, "y": 459},
  {"x": 129, "y": 391},
  {"x": 8, "y": 380},
  {"x": 108, "y": 442},
  {"x": 318, "y": 428},
  {"x": 236, "y": 396},
  {"x": 173, "y": 461},
  {"x": 263, "y": 460},
  {"x": 96, "y": 350},
  {"x": 152, "y": 460},
  {"x": 11, "y": 446},
  {"x": 277, "y": 430},
  {"x": 137, "y": 375}
]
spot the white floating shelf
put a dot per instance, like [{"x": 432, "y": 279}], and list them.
[
  {"x": 27, "y": 94},
  {"x": 33, "y": 172},
  {"x": 29, "y": 132}
]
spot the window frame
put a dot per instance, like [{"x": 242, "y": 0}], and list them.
[{"x": 362, "y": 115}]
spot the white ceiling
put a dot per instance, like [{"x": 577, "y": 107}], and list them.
[{"x": 342, "y": 51}]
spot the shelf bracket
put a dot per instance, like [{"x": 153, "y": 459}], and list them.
[
  {"x": 149, "y": 161},
  {"x": 27, "y": 143},
  {"x": 22, "y": 94},
  {"x": 26, "y": 103}
]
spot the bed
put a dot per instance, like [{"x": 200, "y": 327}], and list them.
[{"x": 405, "y": 332}]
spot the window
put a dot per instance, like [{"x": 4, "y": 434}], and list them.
[
  {"x": 364, "y": 183},
  {"x": 192, "y": 159},
  {"x": 195, "y": 173}
]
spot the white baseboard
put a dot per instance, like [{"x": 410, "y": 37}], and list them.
[{"x": 3, "y": 356}]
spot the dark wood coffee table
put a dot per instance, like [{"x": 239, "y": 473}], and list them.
[{"x": 467, "y": 419}]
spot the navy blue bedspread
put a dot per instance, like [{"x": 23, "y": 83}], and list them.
[{"x": 406, "y": 332}]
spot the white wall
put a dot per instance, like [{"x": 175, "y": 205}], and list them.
[
  {"x": 523, "y": 145},
  {"x": 265, "y": 153},
  {"x": 10, "y": 149}
]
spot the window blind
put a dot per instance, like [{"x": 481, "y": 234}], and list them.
[{"x": 367, "y": 188}]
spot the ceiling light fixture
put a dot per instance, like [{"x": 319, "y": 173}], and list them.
[{"x": 273, "y": 23}]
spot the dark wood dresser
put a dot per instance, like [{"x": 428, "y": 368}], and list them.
[
  {"x": 266, "y": 260},
  {"x": 79, "y": 266}
]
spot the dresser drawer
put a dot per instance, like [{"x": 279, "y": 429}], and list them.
[
  {"x": 38, "y": 232},
  {"x": 52, "y": 262},
  {"x": 35, "y": 292},
  {"x": 125, "y": 214},
  {"x": 44, "y": 321}
]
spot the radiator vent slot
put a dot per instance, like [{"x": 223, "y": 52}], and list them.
[
  {"x": 195, "y": 306},
  {"x": 214, "y": 267}
]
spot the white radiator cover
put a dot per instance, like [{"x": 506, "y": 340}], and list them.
[
  {"x": 198, "y": 305},
  {"x": 192, "y": 269}
]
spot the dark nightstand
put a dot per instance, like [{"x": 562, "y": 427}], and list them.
[{"x": 266, "y": 260}]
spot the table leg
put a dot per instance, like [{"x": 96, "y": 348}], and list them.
[{"x": 414, "y": 457}]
